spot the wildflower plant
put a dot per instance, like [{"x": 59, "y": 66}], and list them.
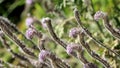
[{"x": 76, "y": 42}]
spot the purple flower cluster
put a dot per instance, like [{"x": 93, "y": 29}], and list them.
[
  {"x": 29, "y": 21},
  {"x": 98, "y": 15},
  {"x": 74, "y": 32},
  {"x": 30, "y": 32},
  {"x": 72, "y": 47},
  {"x": 42, "y": 55}
]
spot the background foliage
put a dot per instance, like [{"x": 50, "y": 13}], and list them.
[{"x": 61, "y": 12}]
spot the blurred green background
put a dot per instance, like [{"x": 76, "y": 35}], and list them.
[{"x": 61, "y": 13}]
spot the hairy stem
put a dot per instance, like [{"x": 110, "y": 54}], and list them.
[
  {"x": 7, "y": 46},
  {"x": 58, "y": 61},
  {"x": 3, "y": 64},
  {"x": 56, "y": 39},
  {"x": 110, "y": 28},
  {"x": 54, "y": 36},
  {"x": 81, "y": 56},
  {"x": 14, "y": 29},
  {"x": 6, "y": 30},
  {"x": 89, "y": 34},
  {"x": 90, "y": 65},
  {"x": 92, "y": 53},
  {"x": 41, "y": 44}
]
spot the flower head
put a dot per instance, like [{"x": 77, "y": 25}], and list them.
[
  {"x": 42, "y": 55},
  {"x": 72, "y": 47},
  {"x": 30, "y": 33},
  {"x": 29, "y": 21},
  {"x": 98, "y": 15},
  {"x": 74, "y": 32}
]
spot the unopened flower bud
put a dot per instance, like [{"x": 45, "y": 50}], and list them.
[
  {"x": 30, "y": 33},
  {"x": 98, "y": 15},
  {"x": 29, "y": 2},
  {"x": 29, "y": 21},
  {"x": 44, "y": 20},
  {"x": 42, "y": 55},
  {"x": 74, "y": 32},
  {"x": 72, "y": 47}
]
